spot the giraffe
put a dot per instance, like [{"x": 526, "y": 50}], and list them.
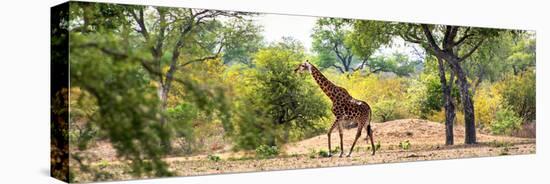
[{"x": 344, "y": 107}]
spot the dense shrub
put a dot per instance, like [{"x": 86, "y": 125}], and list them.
[
  {"x": 386, "y": 110},
  {"x": 385, "y": 94},
  {"x": 519, "y": 92},
  {"x": 505, "y": 122},
  {"x": 265, "y": 151},
  {"x": 487, "y": 101},
  {"x": 275, "y": 105}
]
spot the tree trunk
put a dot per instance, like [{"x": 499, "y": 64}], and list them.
[
  {"x": 469, "y": 117},
  {"x": 449, "y": 106},
  {"x": 163, "y": 96}
]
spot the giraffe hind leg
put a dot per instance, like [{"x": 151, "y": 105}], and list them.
[
  {"x": 359, "y": 129},
  {"x": 369, "y": 134},
  {"x": 341, "y": 133}
]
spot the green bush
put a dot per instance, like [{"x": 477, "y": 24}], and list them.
[
  {"x": 519, "y": 93},
  {"x": 323, "y": 153},
  {"x": 386, "y": 110},
  {"x": 506, "y": 121},
  {"x": 275, "y": 105},
  {"x": 214, "y": 158},
  {"x": 335, "y": 150},
  {"x": 264, "y": 151},
  {"x": 82, "y": 137},
  {"x": 405, "y": 145}
]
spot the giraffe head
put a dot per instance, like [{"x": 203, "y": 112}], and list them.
[{"x": 305, "y": 66}]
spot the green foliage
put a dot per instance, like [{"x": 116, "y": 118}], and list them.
[
  {"x": 425, "y": 95},
  {"x": 519, "y": 93},
  {"x": 265, "y": 151},
  {"x": 385, "y": 110},
  {"x": 125, "y": 107},
  {"x": 368, "y": 36},
  {"x": 181, "y": 122},
  {"x": 323, "y": 153},
  {"x": 397, "y": 63},
  {"x": 506, "y": 121},
  {"x": 214, "y": 158},
  {"x": 330, "y": 42},
  {"x": 277, "y": 105},
  {"x": 241, "y": 43},
  {"x": 227, "y": 85},
  {"x": 124, "y": 68},
  {"x": 405, "y": 145}
]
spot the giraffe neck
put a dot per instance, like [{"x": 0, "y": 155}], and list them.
[{"x": 327, "y": 86}]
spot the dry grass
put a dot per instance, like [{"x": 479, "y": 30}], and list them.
[{"x": 426, "y": 143}]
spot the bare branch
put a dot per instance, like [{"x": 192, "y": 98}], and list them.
[
  {"x": 363, "y": 63},
  {"x": 216, "y": 55},
  {"x": 338, "y": 67}
]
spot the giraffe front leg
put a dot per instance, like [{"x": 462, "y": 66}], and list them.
[
  {"x": 328, "y": 135},
  {"x": 341, "y": 133}
]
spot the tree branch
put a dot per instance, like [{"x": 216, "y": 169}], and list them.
[
  {"x": 430, "y": 38},
  {"x": 471, "y": 51},
  {"x": 360, "y": 67},
  {"x": 205, "y": 58},
  {"x": 338, "y": 67},
  {"x": 141, "y": 23},
  {"x": 450, "y": 34},
  {"x": 463, "y": 38}
]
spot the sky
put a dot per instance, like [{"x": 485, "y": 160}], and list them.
[{"x": 275, "y": 26}]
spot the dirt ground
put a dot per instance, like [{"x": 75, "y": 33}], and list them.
[{"x": 427, "y": 142}]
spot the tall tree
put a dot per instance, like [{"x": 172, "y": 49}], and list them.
[
  {"x": 162, "y": 39},
  {"x": 244, "y": 39},
  {"x": 279, "y": 104},
  {"x": 365, "y": 39},
  {"x": 329, "y": 41},
  {"x": 128, "y": 57},
  {"x": 452, "y": 44}
]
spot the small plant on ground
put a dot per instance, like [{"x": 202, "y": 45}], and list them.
[
  {"x": 214, "y": 158},
  {"x": 103, "y": 164},
  {"x": 377, "y": 146},
  {"x": 504, "y": 151},
  {"x": 323, "y": 153},
  {"x": 264, "y": 151},
  {"x": 499, "y": 144},
  {"x": 312, "y": 153},
  {"x": 405, "y": 145},
  {"x": 335, "y": 150}
]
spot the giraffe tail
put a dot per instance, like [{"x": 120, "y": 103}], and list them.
[{"x": 369, "y": 134}]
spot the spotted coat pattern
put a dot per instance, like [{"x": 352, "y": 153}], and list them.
[{"x": 345, "y": 108}]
